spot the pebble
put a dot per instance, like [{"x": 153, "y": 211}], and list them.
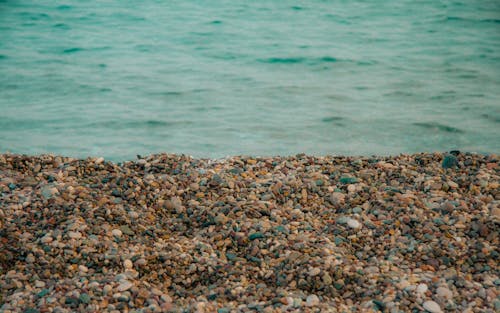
[
  {"x": 444, "y": 293},
  {"x": 353, "y": 223},
  {"x": 262, "y": 234},
  {"x": 432, "y": 306},
  {"x": 422, "y": 288},
  {"x": 74, "y": 235},
  {"x": 127, "y": 264},
  {"x": 125, "y": 285},
  {"x": 312, "y": 300}
]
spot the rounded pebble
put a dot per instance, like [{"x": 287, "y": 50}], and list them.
[{"x": 432, "y": 307}]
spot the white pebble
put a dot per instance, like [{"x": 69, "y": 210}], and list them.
[
  {"x": 312, "y": 300},
  {"x": 74, "y": 235},
  {"x": 432, "y": 306},
  {"x": 127, "y": 264},
  {"x": 353, "y": 223},
  {"x": 351, "y": 188},
  {"x": 83, "y": 268},
  {"x": 99, "y": 160},
  {"x": 39, "y": 284},
  {"x": 444, "y": 292},
  {"x": 314, "y": 271},
  {"x": 125, "y": 285},
  {"x": 46, "y": 239},
  {"x": 116, "y": 232},
  {"x": 422, "y": 288}
]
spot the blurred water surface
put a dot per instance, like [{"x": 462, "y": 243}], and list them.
[{"x": 217, "y": 78}]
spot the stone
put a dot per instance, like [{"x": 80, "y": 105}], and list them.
[
  {"x": 127, "y": 264},
  {"x": 421, "y": 288},
  {"x": 432, "y": 306},
  {"x": 126, "y": 230},
  {"x": 116, "y": 232},
  {"x": 84, "y": 298},
  {"x": 125, "y": 285},
  {"x": 353, "y": 223},
  {"x": 449, "y": 161},
  {"x": 74, "y": 235},
  {"x": 83, "y": 268},
  {"x": 312, "y": 300},
  {"x": 444, "y": 292}
]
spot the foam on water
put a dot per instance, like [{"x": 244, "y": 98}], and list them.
[{"x": 120, "y": 78}]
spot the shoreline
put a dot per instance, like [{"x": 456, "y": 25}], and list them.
[{"x": 239, "y": 234}]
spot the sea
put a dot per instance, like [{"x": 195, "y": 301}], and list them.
[{"x": 227, "y": 77}]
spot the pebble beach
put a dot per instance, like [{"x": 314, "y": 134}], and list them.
[{"x": 172, "y": 233}]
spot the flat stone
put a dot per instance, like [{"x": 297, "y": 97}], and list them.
[
  {"x": 353, "y": 223},
  {"x": 126, "y": 230},
  {"x": 125, "y": 285},
  {"x": 312, "y": 300},
  {"x": 432, "y": 306},
  {"x": 116, "y": 232},
  {"x": 444, "y": 293},
  {"x": 74, "y": 235}
]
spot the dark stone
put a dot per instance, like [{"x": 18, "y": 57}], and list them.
[
  {"x": 449, "y": 161},
  {"x": 348, "y": 180},
  {"x": 255, "y": 236},
  {"x": 71, "y": 301},
  {"x": 43, "y": 293},
  {"x": 379, "y": 305},
  {"x": 212, "y": 296},
  {"x": 84, "y": 298}
]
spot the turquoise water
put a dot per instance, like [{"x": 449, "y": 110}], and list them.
[{"x": 217, "y": 78}]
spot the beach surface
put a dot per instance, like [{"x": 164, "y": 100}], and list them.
[{"x": 171, "y": 233}]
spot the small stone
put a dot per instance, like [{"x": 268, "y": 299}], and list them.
[
  {"x": 312, "y": 300},
  {"x": 422, "y": 288},
  {"x": 327, "y": 279},
  {"x": 125, "y": 285},
  {"x": 83, "y": 268},
  {"x": 449, "y": 161},
  {"x": 46, "y": 239},
  {"x": 314, "y": 271},
  {"x": 337, "y": 198},
  {"x": 220, "y": 219},
  {"x": 432, "y": 307},
  {"x": 39, "y": 284},
  {"x": 116, "y": 233},
  {"x": 348, "y": 180},
  {"x": 126, "y": 230},
  {"x": 127, "y": 264},
  {"x": 74, "y": 235},
  {"x": 255, "y": 236},
  {"x": 99, "y": 160},
  {"x": 84, "y": 298},
  {"x": 351, "y": 188},
  {"x": 444, "y": 293},
  {"x": 107, "y": 289},
  {"x": 353, "y": 223}
]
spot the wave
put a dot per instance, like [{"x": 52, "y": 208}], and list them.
[
  {"x": 299, "y": 60},
  {"x": 439, "y": 127},
  {"x": 140, "y": 124}
]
